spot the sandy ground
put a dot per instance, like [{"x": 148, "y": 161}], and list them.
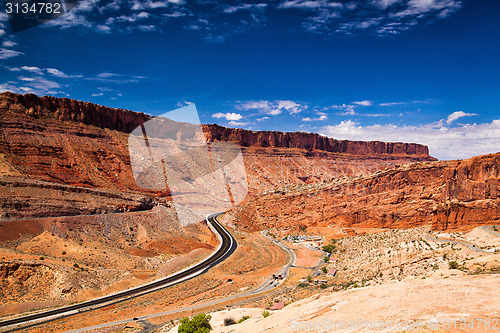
[
  {"x": 305, "y": 256},
  {"x": 410, "y": 302}
]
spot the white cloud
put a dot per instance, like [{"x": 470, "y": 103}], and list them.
[
  {"x": 392, "y": 104},
  {"x": 236, "y": 123},
  {"x": 57, "y": 73},
  {"x": 273, "y": 107},
  {"x": 384, "y": 4},
  {"x": 346, "y": 109},
  {"x": 41, "y": 71},
  {"x": 116, "y": 78},
  {"x": 310, "y": 4},
  {"x": 263, "y": 118},
  {"x": 229, "y": 116},
  {"x": 37, "y": 85},
  {"x": 384, "y": 17},
  {"x": 246, "y": 6},
  {"x": 420, "y": 7},
  {"x": 363, "y": 103},
  {"x": 444, "y": 142},
  {"x": 183, "y": 103},
  {"x": 8, "y": 43},
  {"x": 7, "y": 53},
  {"x": 456, "y": 115},
  {"x": 320, "y": 118},
  {"x": 98, "y": 94}
]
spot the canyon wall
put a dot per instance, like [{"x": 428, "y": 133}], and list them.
[
  {"x": 312, "y": 141},
  {"x": 81, "y": 144},
  {"x": 445, "y": 195}
]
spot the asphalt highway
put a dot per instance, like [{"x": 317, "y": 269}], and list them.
[
  {"x": 226, "y": 248},
  {"x": 266, "y": 286}
]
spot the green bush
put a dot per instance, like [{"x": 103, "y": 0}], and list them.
[
  {"x": 329, "y": 248},
  {"x": 199, "y": 324},
  {"x": 266, "y": 314},
  {"x": 303, "y": 285},
  {"x": 324, "y": 270},
  {"x": 453, "y": 265},
  {"x": 243, "y": 319},
  {"x": 229, "y": 321},
  {"x": 309, "y": 278}
]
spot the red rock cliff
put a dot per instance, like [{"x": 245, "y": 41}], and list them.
[
  {"x": 311, "y": 141},
  {"x": 65, "y": 109},
  {"x": 445, "y": 195},
  {"x": 83, "y": 144}
]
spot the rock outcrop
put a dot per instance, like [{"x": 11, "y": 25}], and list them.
[
  {"x": 65, "y": 109},
  {"x": 313, "y": 142},
  {"x": 81, "y": 144},
  {"x": 445, "y": 195}
]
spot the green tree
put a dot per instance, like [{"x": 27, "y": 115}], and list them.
[
  {"x": 329, "y": 248},
  {"x": 199, "y": 324},
  {"x": 309, "y": 278},
  {"x": 453, "y": 265},
  {"x": 324, "y": 270}
]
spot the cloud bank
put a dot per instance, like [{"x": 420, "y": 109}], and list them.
[{"x": 445, "y": 142}]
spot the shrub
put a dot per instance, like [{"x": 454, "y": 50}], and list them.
[
  {"x": 199, "y": 324},
  {"x": 76, "y": 265},
  {"x": 229, "y": 321},
  {"x": 63, "y": 252},
  {"x": 303, "y": 285},
  {"x": 328, "y": 248},
  {"x": 309, "y": 278},
  {"x": 326, "y": 259},
  {"x": 324, "y": 270},
  {"x": 243, "y": 319},
  {"x": 453, "y": 265},
  {"x": 323, "y": 286},
  {"x": 266, "y": 314}
]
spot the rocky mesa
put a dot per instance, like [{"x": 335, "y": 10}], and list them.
[{"x": 81, "y": 144}]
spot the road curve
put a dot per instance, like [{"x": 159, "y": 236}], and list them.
[
  {"x": 226, "y": 248},
  {"x": 470, "y": 246},
  {"x": 266, "y": 286}
]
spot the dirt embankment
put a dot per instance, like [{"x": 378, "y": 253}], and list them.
[{"x": 60, "y": 260}]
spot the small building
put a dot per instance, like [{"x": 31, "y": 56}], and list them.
[
  {"x": 320, "y": 281},
  {"x": 331, "y": 273},
  {"x": 277, "y": 306}
]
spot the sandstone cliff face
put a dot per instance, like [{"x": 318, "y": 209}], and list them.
[
  {"x": 311, "y": 141},
  {"x": 65, "y": 109},
  {"x": 85, "y": 145},
  {"x": 454, "y": 194}
]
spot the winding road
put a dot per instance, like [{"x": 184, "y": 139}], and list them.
[
  {"x": 226, "y": 247},
  {"x": 256, "y": 293}
]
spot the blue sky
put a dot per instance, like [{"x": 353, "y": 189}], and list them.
[{"x": 423, "y": 71}]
